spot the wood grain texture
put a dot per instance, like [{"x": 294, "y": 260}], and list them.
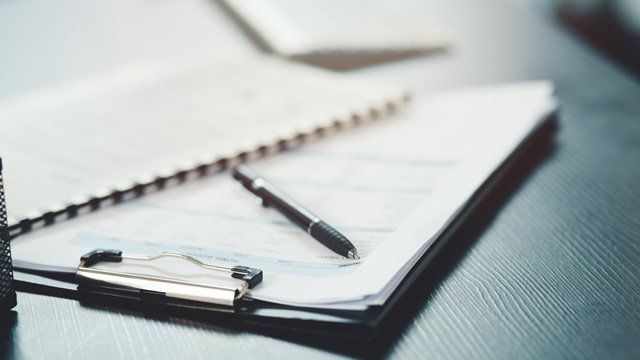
[{"x": 553, "y": 274}]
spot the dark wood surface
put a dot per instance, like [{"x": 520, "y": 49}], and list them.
[{"x": 548, "y": 270}]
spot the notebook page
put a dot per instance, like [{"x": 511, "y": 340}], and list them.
[
  {"x": 390, "y": 187},
  {"x": 141, "y": 119}
]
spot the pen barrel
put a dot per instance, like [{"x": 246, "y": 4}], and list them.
[
  {"x": 295, "y": 212},
  {"x": 318, "y": 229},
  {"x": 331, "y": 238}
]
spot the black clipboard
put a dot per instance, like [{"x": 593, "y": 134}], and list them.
[{"x": 288, "y": 321}]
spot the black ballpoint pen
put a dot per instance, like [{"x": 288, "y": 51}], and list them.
[{"x": 318, "y": 229}]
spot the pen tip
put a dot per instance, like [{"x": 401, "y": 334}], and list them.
[{"x": 353, "y": 255}]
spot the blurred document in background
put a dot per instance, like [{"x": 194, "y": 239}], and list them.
[{"x": 337, "y": 34}]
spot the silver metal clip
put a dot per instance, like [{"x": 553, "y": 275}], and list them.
[{"x": 172, "y": 288}]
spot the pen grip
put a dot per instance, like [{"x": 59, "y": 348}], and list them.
[{"x": 331, "y": 238}]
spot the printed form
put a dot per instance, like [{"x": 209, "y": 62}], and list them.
[{"x": 391, "y": 187}]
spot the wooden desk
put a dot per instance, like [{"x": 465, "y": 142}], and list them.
[{"x": 554, "y": 274}]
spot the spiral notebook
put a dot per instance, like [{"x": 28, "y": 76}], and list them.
[{"x": 140, "y": 127}]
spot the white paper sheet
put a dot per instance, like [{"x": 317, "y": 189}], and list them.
[{"x": 390, "y": 187}]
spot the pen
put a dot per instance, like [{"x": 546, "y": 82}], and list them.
[{"x": 272, "y": 196}]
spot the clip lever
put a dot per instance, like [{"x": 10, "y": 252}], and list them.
[{"x": 169, "y": 287}]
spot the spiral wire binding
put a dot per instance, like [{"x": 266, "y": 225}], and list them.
[{"x": 196, "y": 169}]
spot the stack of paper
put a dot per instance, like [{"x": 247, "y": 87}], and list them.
[{"x": 391, "y": 187}]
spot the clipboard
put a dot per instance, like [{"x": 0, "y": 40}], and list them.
[{"x": 274, "y": 319}]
